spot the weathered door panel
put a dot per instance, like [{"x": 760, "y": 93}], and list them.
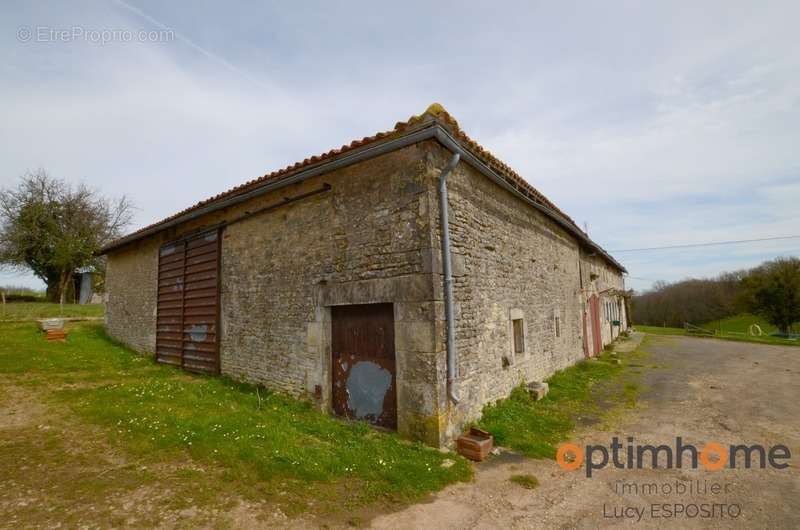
[
  {"x": 586, "y": 351},
  {"x": 597, "y": 338},
  {"x": 188, "y": 303},
  {"x": 363, "y": 363},
  {"x": 169, "y": 308}
]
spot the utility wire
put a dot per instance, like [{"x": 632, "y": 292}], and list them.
[{"x": 711, "y": 244}]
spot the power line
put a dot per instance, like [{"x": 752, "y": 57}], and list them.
[{"x": 710, "y": 244}]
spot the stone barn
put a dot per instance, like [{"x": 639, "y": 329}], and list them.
[{"x": 405, "y": 279}]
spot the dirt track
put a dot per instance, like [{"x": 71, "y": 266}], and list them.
[{"x": 702, "y": 390}]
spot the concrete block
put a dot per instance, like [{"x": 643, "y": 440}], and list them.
[
  {"x": 538, "y": 390},
  {"x": 51, "y": 323}
]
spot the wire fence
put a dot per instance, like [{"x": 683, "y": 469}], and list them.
[{"x": 753, "y": 331}]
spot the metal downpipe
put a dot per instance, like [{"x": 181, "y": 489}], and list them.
[{"x": 447, "y": 269}]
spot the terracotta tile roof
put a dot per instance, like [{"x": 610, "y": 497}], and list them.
[
  {"x": 434, "y": 112},
  {"x": 441, "y": 115}
]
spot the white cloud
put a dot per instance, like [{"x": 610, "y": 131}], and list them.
[{"x": 657, "y": 124}]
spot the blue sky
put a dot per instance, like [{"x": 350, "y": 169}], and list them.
[{"x": 656, "y": 124}]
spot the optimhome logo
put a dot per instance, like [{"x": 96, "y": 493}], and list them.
[{"x": 712, "y": 456}]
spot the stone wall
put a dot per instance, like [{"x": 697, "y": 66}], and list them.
[
  {"x": 374, "y": 237},
  {"x": 132, "y": 284},
  {"x": 510, "y": 262},
  {"x": 362, "y": 242},
  {"x": 603, "y": 280},
  {"x": 366, "y": 240}
]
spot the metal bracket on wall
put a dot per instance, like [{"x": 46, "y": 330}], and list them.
[{"x": 286, "y": 200}]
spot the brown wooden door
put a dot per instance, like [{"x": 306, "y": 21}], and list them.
[
  {"x": 363, "y": 363},
  {"x": 187, "y": 323},
  {"x": 597, "y": 338}
]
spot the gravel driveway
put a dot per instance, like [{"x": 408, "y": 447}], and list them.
[{"x": 703, "y": 390}]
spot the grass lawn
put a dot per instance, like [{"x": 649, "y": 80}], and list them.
[
  {"x": 732, "y": 328},
  {"x": 16, "y": 311},
  {"x": 741, "y": 324},
  {"x": 581, "y": 394},
  {"x": 253, "y": 444},
  {"x": 659, "y": 330}
]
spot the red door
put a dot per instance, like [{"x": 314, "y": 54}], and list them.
[
  {"x": 597, "y": 339},
  {"x": 585, "y": 335}
]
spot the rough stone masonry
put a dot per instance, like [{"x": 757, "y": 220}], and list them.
[{"x": 366, "y": 233}]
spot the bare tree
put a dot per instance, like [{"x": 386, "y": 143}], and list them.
[{"x": 53, "y": 228}]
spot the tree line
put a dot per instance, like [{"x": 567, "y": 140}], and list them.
[{"x": 771, "y": 290}]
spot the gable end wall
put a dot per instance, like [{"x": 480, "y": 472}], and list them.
[{"x": 510, "y": 262}]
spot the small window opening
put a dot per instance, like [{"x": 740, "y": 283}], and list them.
[
  {"x": 558, "y": 324},
  {"x": 519, "y": 335}
]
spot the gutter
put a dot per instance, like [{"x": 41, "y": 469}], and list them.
[
  {"x": 447, "y": 269},
  {"x": 452, "y": 144},
  {"x": 321, "y": 168},
  {"x": 433, "y": 130}
]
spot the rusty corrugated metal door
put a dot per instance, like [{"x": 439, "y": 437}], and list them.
[
  {"x": 188, "y": 303},
  {"x": 169, "y": 319},
  {"x": 363, "y": 363}
]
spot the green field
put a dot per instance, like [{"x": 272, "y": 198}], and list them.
[
  {"x": 741, "y": 324},
  {"x": 732, "y": 328},
  {"x": 266, "y": 444},
  {"x": 17, "y": 311},
  {"x": 659, "y": 330}
]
